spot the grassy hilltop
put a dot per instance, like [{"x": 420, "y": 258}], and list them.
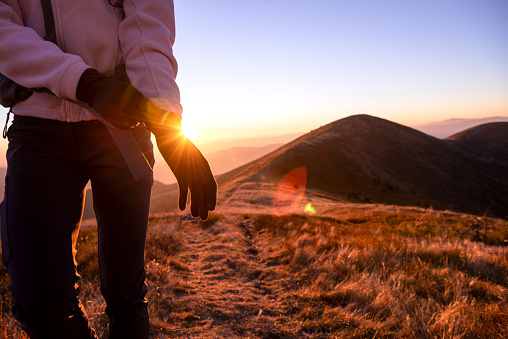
[
  {"x": 361, "y": 271},
  {"x": 307, "y": 242}
]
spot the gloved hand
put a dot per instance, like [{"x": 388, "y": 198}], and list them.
[
  {"x": 118, "y": 102},
  {"x": 123, "y": 106},
  {"x": 189, "y": 166}
]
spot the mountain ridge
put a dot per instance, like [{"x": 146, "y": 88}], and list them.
[{"x": 367, "y": 159}]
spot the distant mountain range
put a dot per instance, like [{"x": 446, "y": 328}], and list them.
[
  {"x": 443, "y": 129},
  {"x": 220, "y": 161},
  {"x": 366, "y": 159},
  {"x": 249, "y": 142}
]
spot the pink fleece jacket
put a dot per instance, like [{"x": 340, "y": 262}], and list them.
[{"x": 90, "y": 33}]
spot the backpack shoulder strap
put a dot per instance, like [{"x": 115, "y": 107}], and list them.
[{"x": 49, "y": 21}]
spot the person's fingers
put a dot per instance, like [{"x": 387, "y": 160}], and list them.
[
  {"x": 194, "y": 206},
  {"x": 182, "y": 199},
  {"x": 203, "y": 206},
  {"x": 203, "y": 210},
  {"x": 212, "y": 191},
  {"x": 204, "y": 216},
  {"x": 193, "y": 174},
  {"x": 211, "y": 194},
  {"x": 199, "y": 185},
  {"x": 211, "y": 184}
]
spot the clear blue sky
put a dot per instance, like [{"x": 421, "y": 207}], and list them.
[
  {"x": 252, "y": 68},
  {"x": 277, "y": 66}
]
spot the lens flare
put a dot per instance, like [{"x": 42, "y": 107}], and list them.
[
  {"x": 289, "y": 192},
  {"x": 310, "y": 209}
]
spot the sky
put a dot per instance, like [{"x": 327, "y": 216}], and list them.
[
  {"x": 251, "y": 68},
  {"x": 273, "y": 67}
]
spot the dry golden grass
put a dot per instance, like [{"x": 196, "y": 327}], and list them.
[
  {"x": 354, "y": 271},
  {"x": 372, "y": 278}
]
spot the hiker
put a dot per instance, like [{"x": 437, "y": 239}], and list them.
[{"x": 78, "y": 119}]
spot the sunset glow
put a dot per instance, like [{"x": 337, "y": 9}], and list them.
[
  {"x": 189, "y": 128},
  {"x": 273, "y": 68},
  {"x": 280, "y": 67}
]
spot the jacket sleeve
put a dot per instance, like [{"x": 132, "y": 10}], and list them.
[
  {"x": 147, "y": 35},
  {"x": 31, "y": 61}
]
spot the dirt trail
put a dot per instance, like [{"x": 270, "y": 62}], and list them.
[{"x": 229, "y": 284}]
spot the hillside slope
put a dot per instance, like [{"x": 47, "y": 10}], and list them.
[
  {"x": 227, "y": 159},
  {"x": 363, "y": 158},
  {"x": 220, "y": 161}
]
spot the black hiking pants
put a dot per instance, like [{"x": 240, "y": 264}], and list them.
[{"x": 49, "y": 165}]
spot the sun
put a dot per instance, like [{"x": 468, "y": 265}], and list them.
[{"x": 189, "y": 129}]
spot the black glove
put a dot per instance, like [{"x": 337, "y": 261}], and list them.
[
  {"x": 118, "y": 102},
  {"x": 123, "y": 106},
  {"x": 189, "y": 166}
]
